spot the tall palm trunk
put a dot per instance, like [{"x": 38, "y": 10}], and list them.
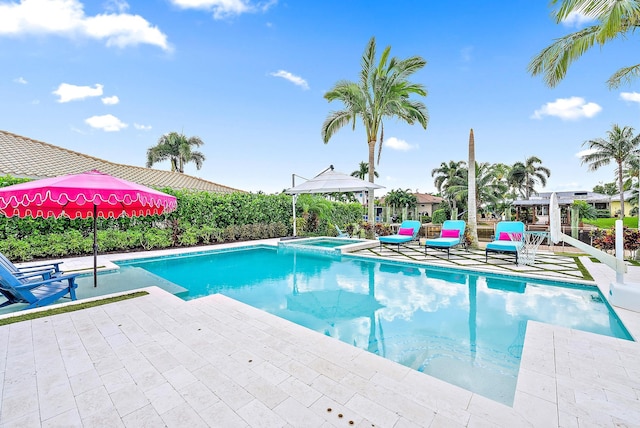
[
  {"x": 471, "y": 194},
  {"x": 620, "y": 184},
  {"x": 372, "y": 153}
]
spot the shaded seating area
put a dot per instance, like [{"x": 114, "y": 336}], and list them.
[
  {"x": 407, "y": 232},
  {"x": 509, "y": 238},
  {"x": 451, "y": 235},
  {"x": 36, "y": 289}
]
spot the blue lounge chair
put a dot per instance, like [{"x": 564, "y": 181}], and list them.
[
  {"x": 509, "y": 238},
  {"x": 451, "y": 235},
  {"x": 342, "y": 234},
  {"x": 53, "y": 268},
  {"x": 35, "y": 288},
  {"x": 401, "y": 237}
]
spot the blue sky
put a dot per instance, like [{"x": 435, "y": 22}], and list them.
[{"x": 109, "y": 78}]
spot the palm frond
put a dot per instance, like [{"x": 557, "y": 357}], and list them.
[
  {"x": 335, "y": 121},
  {"x": 623, "y": 76},
  {"x": 554, "y": 61}
]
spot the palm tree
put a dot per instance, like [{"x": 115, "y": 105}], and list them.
[
  {"x": 622, "y": 146},
  {"x": 444, "y": 176},
  {"x": 472, "y": 215},
  {"x": 363, "y": 171},
  {"x": 383, "y": 91},
  {"x": 177, "y": 149},
  {"x": 613, "y": 19},
  {"x": 489, "y": 190},
  {"x": 524, "y": 176}
]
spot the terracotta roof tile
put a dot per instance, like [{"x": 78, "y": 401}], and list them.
[
  {"x": 425, "y": 198},
  {"x": 27, "y": 158}
]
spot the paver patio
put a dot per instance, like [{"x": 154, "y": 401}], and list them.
[{"x": 160, "y": 361}]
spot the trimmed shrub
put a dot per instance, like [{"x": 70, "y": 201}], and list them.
[{"x": 439, "y": 216}]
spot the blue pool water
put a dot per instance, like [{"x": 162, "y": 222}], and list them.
[
  {"x": 464, "y": 328},
  {"x": 321, "y": 242}
]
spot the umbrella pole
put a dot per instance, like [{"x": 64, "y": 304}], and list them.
[
  {"x": 294, "y": 215},
  {"x": 95, "y": 246}
]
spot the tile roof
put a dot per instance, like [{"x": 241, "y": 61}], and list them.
[
  {"x": 425, "y": 198},
  {"x": 26, "y": 158}
]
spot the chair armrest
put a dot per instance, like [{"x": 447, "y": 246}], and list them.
[
  {"x": 29, "y": 285},
  {"x": 45, "y": 274}
]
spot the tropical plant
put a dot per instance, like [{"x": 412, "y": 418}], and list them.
[
  {"x": 383, "y": 92},
  {"x": 524, "y": 176},
  {"x": 363, "y": 171},
  {"x": 585, "y": 210},
  {"x": 608, "y": 189},
  {"x": 444, "y": 176},
  {"x": 401, "y": 198},
  {"x": 176, "y": 148},
  {"x": 488, "y": 189},
  {"x": 620, "y": 147},
  {"x": 439, "y": 216},
  {"x": 613, "y": 19}
]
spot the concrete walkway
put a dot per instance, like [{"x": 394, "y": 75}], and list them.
[{"x": 160, "y": 361}]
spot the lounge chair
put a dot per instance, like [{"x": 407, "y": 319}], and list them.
[
  {"x": 451, "y": 235},
  {"x": 509, "y": 238},
  {"x": 53, "y": 268},
  {"x": 407, "y": 232},
  {"x": 35, "y": 288},
  {"x": 342, "y": 234}
]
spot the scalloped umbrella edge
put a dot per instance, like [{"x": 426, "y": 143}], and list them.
[{"x": 89, "y": 194}]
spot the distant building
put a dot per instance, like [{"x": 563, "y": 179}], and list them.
[
  {"x": 539, "y": 204},
  {"x": 23, "y": 157},
  {"x": 615, "y": 204},
  {"x": 427, "y": 203}
]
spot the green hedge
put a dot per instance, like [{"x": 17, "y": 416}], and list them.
[{"x": 200, "y": 218}]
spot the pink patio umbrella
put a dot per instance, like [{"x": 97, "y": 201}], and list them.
[{"x": 90, "y": 194}]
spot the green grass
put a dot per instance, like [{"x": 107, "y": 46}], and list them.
[
  {"x": 608, "y": 223},
  {"x": 583, "y": 270},
  {"x": 70, "y": 308}
]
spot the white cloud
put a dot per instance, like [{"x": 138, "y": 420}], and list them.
[
  {"x": 397, "y": 144},
  {"x": 68, "y": 92},
  {"x": 296, "y": 80},
  {"x": 572, "y": 108},
  {"x": 67, "y": 18},
  {"x": 576, "y": 19},
  {"x": 585, "y": 152},
  {"x": 110, "y": 100},
  {"x": 119, "y": 6},
  {"x": 21, "y": 80},
  {"x": 107, "y": 122},
  {"x": 142, "y": 127},
  {"x": 630, "y": 96},
  {"x": 225, "y": 8}
]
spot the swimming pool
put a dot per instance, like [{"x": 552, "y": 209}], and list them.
[{"x": 465, "y": 328}]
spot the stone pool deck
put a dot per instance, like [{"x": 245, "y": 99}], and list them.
[{"x": 160, "y": 361}]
